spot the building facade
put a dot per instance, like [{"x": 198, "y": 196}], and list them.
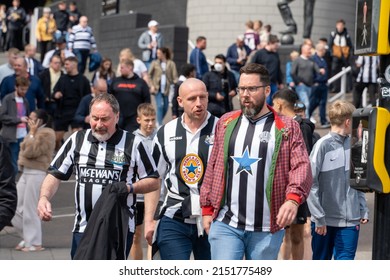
[{"x": 220, "y": 21}]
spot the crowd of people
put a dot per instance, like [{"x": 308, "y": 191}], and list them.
[{"x": 212, "y": 182}]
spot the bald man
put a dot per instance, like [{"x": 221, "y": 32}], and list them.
[
  {"x": 185, "y": 145},
  {"x": 82, "y": 42},
  {"x": 34, "y": 95},
  {"x": 82, "y": 114}
]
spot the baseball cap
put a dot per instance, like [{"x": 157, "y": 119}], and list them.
[{"x": 152, "y": 23}]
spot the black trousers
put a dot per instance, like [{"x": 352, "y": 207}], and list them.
[{"x": 358, "y": 92}]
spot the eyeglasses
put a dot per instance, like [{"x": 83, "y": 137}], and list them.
[{"x": 251, "y": 90}]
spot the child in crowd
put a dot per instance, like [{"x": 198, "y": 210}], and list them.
[
  {"x": 337, "y": 210},
  {"x": 146, "y": 118}
]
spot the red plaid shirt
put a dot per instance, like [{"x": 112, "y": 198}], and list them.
[{"x": 291, "y": 177}]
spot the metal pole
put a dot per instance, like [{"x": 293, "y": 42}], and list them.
[
  {"x": 364, "y": 99},
  {"x": 343, "y": 87},
  {"x": 381, "y": 237}
]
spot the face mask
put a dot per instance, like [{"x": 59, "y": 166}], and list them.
[{"x": 218, "y": 67}]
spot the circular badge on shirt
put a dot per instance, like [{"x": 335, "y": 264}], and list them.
[{"x": 191, "y": 168}]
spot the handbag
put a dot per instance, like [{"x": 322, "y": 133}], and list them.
[{"x": 95, "y": 59}]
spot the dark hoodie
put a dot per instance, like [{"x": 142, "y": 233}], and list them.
[{"x": 307, "y": 128}]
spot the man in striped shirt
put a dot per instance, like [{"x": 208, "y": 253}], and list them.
[
  {"x": 81, "y": 41},
  {"x": 257, "y": 176},
  {"x": 185, "y": 144},
  {"x": 101, "y": 156},
  {"x": 368, "y": 74}
]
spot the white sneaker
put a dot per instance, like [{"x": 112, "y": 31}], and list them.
[{"x": 313, "y": 120}]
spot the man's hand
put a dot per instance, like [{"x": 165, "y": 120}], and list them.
[
  {"x": 58, "y": 95},
  {"x": 24, "y": 119},
  {"x": 219, "y": 97},
  {"x": 287, "y": 213},
  {"x": 149, "y": 229},
  {"x": 321, "y": 230},
  {"x": 207, "y": 220},
  {"x": 44, "y": 209},
  {"x": 232, "y": 93},
  {"x": 153, "y": 90}
]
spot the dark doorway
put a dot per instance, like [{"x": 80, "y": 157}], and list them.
[{"x": 28, "y": 5}]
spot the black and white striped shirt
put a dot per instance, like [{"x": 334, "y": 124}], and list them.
[
  {"x": 98, "y": 164},
  {"x": 183, "y": 160},
  {"x": 369, "y": 66},
  {"x": 251, "y": 147},
  {"x": 148, "y": 142}
]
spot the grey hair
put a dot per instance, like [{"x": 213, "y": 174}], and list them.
[{"x": 109, "y": 98}]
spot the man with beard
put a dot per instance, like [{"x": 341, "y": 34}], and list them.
[
  {"x": 101, "y": 157},
  {"x": 257, "y": 176}
]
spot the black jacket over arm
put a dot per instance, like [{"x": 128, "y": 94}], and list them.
[{"x": 105, "y": 236}]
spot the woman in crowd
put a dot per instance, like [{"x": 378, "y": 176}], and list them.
[
  {"x": 163, "y": 75},
  {"x": 105, "y": 72},
  {"x": 36, "y": 152},
  {"x": 139, "y": 67}
]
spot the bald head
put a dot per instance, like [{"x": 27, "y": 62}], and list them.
[
  {"x": 83, "y": 21},
  {"x": 100, "y": 86},
  {"x": 20, "y": 66},
  {"x": 191, "y": 84},
  {"x": 193, "y": 98}
]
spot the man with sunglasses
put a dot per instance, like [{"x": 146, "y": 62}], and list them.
[{"x": 257, "y": 176}]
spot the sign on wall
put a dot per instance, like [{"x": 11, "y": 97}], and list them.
[{"x": 110, "y": 7}]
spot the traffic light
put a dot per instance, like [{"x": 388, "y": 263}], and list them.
[
  {"x": 368, "y": 150},
  {"x": 372, "y": 27}
]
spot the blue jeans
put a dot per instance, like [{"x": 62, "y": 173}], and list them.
[
  {"x": 176, "y": 240},
  {"x": 274, "y": 89},
  {"x": 59, "y": 34},
  {"x": 75, "y": 243},
  {"x": 303, "y": 92},
  {"x": 82, "y": 57},
  {"x": 229, "y": 243},
  {"x": 319, "y": 97},
  {"x": 15, "y": 148},
  {"x": 162, "y": 106},
  {"x": 339, "y": 242},
  {"x": 77, "y": 237}
]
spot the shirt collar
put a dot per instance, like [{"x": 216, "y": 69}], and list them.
[{"x": 200, "y": 128}]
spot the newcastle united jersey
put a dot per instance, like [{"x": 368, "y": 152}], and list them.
[
  {"x": 98, "y": 164},
  {"x": 183, "y": 160},
  {"x": 251, "y": 147}
]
